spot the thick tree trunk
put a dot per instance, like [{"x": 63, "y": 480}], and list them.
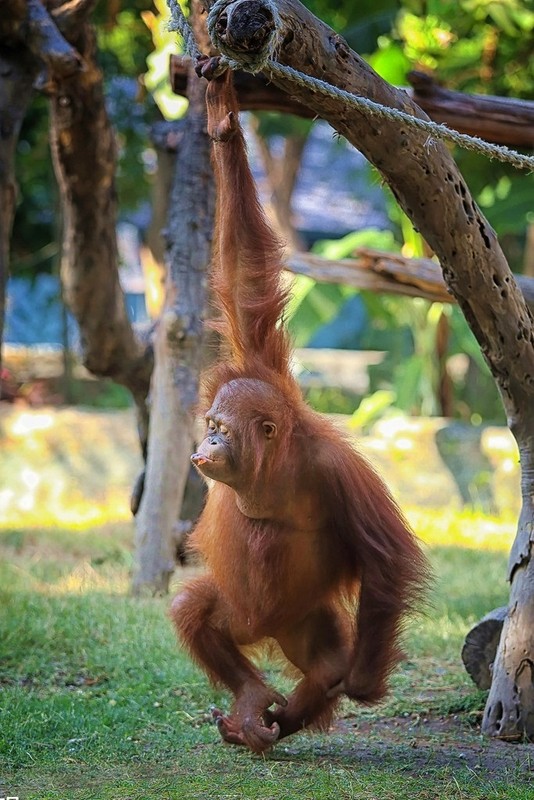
[
  {"x": 83, "y": 150},
  {"x": 28, "y": 40},
  {"x": 509, "y": 712},
  {"x": 61, "y": 41},
  {"x": 432, "y": 192},
  {"x": 178, "y": 354},
  {"x": 168, "y": 139}
]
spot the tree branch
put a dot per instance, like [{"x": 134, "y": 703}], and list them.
[
  {"x": 46, "y": 42},
  {"x": 501, "y": 120},
  {"x": 178, "y": 353},
  {"x": 428, "y": 186},
  {"x": 379, "y": 271}
]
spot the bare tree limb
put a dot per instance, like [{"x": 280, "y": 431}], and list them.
[
  {"x": 46, "y": 42},
  {"x": 28, "y": 38},
  {"x": 28, "y": 24},
  {"x": 178, "y": 354},
  {"x": 423, "y": 177},
  {"x": 501, "y": 120},
  {"x": 379, "y": 271}
]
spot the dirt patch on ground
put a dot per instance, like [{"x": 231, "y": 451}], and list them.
[{"x": 422, "y": 745}]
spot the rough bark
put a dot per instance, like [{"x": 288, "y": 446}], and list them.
[
  {"x": 509, "y": 712},
  {"x": 428, "y": 186},
  {"x": 55, "y": 37},
  {"x": 178, "y": 355},
  {"x": 503, "y": 120}
]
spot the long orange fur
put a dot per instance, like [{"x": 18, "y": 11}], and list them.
[{"x": 303, "y": 543}]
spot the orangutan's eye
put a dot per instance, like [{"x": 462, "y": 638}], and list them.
[
  {"x": 211, "y": 426},
  {"x": 223, "y": 429}
]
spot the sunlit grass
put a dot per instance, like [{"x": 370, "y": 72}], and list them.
[
  {"x": 66, "y": 468},
  {"x": 460, "y": 528},
  {"x": 85, "y": 557},
  {"x": 67, "y": 560},
  {"x": 81, "y": 514},
  {"x": 85, "y": 579},
  {"x": 465, "y": 528}
]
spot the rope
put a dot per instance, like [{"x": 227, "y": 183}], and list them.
[
  {"x": 438, "y": 130},
  {"x": 264, "y": 62},
  {"x": 179, "y": 24}
]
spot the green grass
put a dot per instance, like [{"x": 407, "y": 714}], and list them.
[{"x": 98, "y": 702}]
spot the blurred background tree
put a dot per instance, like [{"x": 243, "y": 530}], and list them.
[{"x": 124, "y": 44}]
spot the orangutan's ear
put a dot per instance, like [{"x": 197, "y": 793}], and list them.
[{"x": 269, "y": 429}]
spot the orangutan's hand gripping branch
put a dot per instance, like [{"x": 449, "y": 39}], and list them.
[{"x": 302, "y": 541}]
